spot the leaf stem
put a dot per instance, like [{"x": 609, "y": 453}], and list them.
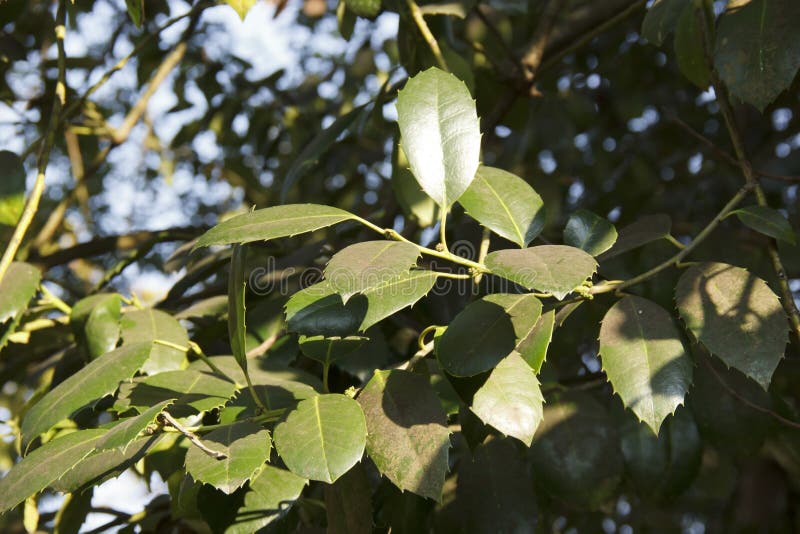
[
  {"x": 326, "y": 368},
  {"x": 59, "y": 304},
  {"x": 419, "y": 20},
  {"x": 167, "y": 419}
]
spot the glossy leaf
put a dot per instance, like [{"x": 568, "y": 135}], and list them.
[
  {"x": 95, "y": 321},
  {"x": 736, "y": 316},
  {"x": 506, "y": 204},
  {"x": 323, "y": 437},
  {"x": 407, "y": 431},
  {"x": 555, "y": 269},
  {"x": 757, "y": 51},
  {"x": 440, "y": 134},
  {"x": 127, "y": 430},
  {"x": 369, "y": 264},
  {"x": 99, "y": 378},
  {"x": 246, "y": 446},
  {"x": 533, "y": 347},
  {"x": 644, "y": 359},
  {"x": 12, "y": 188},
  {"x": 643, "y": 231},
  {"x": 330, "y": 349},
  {"x": 689, "y": 46},
  {"x": 150, "y": 325},
  {"x": 43, "y": 466},
  {"x": 766, "y": 221},
  {"x": 590, "y": 233},
  {"x": 17, "y": 288},
  {"x": 348, "y": 503},
  {"x": 415, "y": 203},
  {"x": 241, "y": 6},
  {"x": 272, "y": 494},
  {"x": 272, "y": 223},
  {"x": 661, "y": 20},
  {"x": 393, "y": 295},
  {"x": 194, "y": 391},
  {"x": 510, "y": 400},
  {"x": 318, "y": 310},
  {"x": 237, "y": 310}
]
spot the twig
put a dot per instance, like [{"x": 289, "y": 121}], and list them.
[
  {"x": 533, "y": 57},
  {"x": 167, "y": 419},
  {"x": 264, "y": 347},
  {"x": 419, "y": 20},
  {"x": 420, "y": 355}
]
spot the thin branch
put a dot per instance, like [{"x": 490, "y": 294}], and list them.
[
  {"x": 167, "y": 419},
  {"x": 419, "y": 20},
  {"x": 532, "y": 59},
  {"x": 420, "y": 355}
]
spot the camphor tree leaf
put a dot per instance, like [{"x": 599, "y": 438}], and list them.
[
  {"x": 556, "y": 269},
  {"x": 510, "y": 400},
  {"x": 12, "y": 188},
  {"x": 99, "y": 378},
  {"x": 330, "y": 349},
  {"x": 506, "y": 204},
  {"x": 394, "y": 294},
  {"x": 368, "y": 264},
  {"x": 271, "y": 495},
  {"x": 661, "y": 20},
  {"x": 193, "y": 391},
  {"x": 440, "y": 134},
  {"x": 757, "y": 51},
  {"x": 126, "y": 431},
  {"x": 246, "y": 447},
  {"x": 588, "y": 232},
  {"x": 766, "y": 221},
  {"x": 95, "y": 321},
  {"x": 237, "y": 310},
  {"x": 43, "y": 466},
  {"x": 17, "y": 288},
  {"x": 318, "y": 310},
  {"x": 241, "y": 6},
  {"x": 636, "y": 234},
  {"x": 272, "y": 223},
  {"x": 533, "y": 347},
  {"x": 323, "y": 437},
  {"x": 689, "y": 46},
  {"x": 644, "y": 359},
  {"x": 151, "y": 325},
  {"x": 736, "y": 316},
  {"x": 407, "y": 431}
]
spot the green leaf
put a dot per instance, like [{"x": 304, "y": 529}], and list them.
[
  {"x": 493, "y": 493},
  {"x": 661, "y": 20},
  {"x": 43, "y": 466},
  {"x": 318, "y": 310},
  {"x": 555, "y": 269},
  {"x": 272, "y": 494},
  {"x": 588, "y": 232},
  {"x": 12, "y": 188},
  {"x": 506, "y": 204},
  {"x": 323, "y": 437},
  {"x": 757, "y": 51},
  {"x": 348, "y": 503},
  {"x": 415, "y": 203},
  {"x": 533, "y": 347},
  {"x": 440, "y": 134},
  {"x": 99, "y": 378},
  {"x": 346, "y": 20},
  {"x": 766, "y": 221},
  {"x": 644, "y": 359},
  {"x": 197, "y": 390},
  {"x": 17, "y": 288},
  {"x": 241, "y": 6},
  {"x": 641, "y": 232},
  {"x": 689, "y": 46},
  {"x": 73, "y": 512},
  {"x": 210, "y": 308},
  {"x": 149, "y": 325},
  {"x": 393, "y": 295},
  {"x": 237, "y": 310},
  {"x": 95, "y": 321},
  {"x": 576, "y": 453},
  {"x": 510, "y": 400},
  {"x": 272, "y": 223},
  {"x": 736, "y": 316},
  {"x": 310, "y": 155},
  {"x": 407, "y": 431},
  {"x": 365, "y": 8},
  {"x": 135, "y": 11},
  {"x": 457, "y": 8},
  {"x": 127, "y": 430},
  {"x": 369, "y": 264},
  {"x": 246, "y": 446},
  {"x": 330, "y": 349}
]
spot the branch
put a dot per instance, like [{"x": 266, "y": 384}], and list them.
[
  {"x": 167, "y": 419},
  {"x": 419, "y": 20}
]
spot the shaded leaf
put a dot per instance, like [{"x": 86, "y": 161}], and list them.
[
  {"x": 272, "y": 223},
  {"x": 12, "y": 188},
  {"x": 590, "y": 233},
  {"x": 237, "y": 310},
  {"x": 73, "y": 512},
  {"x": 689, "y": 46},
  {"x": 393, "y": 295},
  {"x": 323, "y": 437},
  {"x": 510, "y": 400},
  {"x": 644, "y": 359},
  {"x": 369, "y": 264},
  {"x": 150, "y": 325},
  {"x": 661, "y": 20},
  {"x": 506, "y": 204},
  {"x": 197, "y": 390},
  {"x": 348, "y": 503},
  {"x": 440, "y": 134},
  {"x": 318, "y": 310},
  {"x": 412, "y": 199},
  {"x": 555, "y": 269},
  {"x": 766, "y": 221},
  {"x": 636, "y": 234},
  {"x": 246, "y": 446},
  {"x": 136, "y": 11},
  {"x": 736, "y": 316},
  {"x": 17, "y": 288},
  {"x": 407, "y": 431},
  {"x": 330, "y": 349},
  {"x": 272, "y": 493},
  {"x": 95, "y": 321},
  {"x": 127, "y": 430},
  {"x": 99, "y": 378}
]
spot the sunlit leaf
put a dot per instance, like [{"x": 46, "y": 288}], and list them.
[
  {"x": 151, "y": 325},
  {"x": 241, "y": 6},
  {"x": 127, "y": 430},
  {"x": 272, "y": 494},
  {"x": 368, "y": 264},
  {"x": 588, "y": 232},
  {"x": 17, "y": 288},
  {"x": 348, "y": 503},
  {"x": 193, "y": 391},
  {"x": 95, "y": 321},
  {"x": 393, "y": 295},
  {"x": 533, "y": 347}
]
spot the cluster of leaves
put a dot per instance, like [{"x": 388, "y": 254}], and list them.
[{"x": 329, "y": 407}]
